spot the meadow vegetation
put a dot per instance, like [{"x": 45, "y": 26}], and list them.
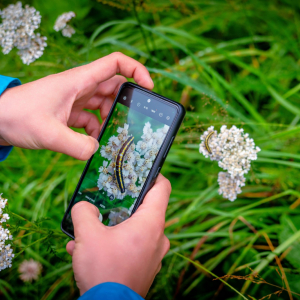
[{"x": 231, "y": 62}]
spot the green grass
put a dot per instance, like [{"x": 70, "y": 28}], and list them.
[{"x": 228, "y": 62}]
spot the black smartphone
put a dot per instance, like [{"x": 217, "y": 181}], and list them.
[{"x": 134, "y": 143}]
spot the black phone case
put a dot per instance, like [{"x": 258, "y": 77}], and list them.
[{"x": 161, "y": 156}]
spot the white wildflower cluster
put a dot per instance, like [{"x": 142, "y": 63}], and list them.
[
  {"x": 61, "y": 24},
  {"x": 234, "y": 151},
  {"x": 29, "y": 270},
  {"x": 6, "y": 252},
  {"x": 137, "y": 161},
  {"x": 118, "y": 215},
  {"x": 17, "y": 30}
]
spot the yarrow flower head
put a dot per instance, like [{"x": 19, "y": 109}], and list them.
[
  {"x": 30, "y": 270},
  {"x": 17, "y": 30},
  {"x": 6, "y": 252},
  {"x": 137, "y": 163},
  {"x": 229, "y": 186},
  {"x": 234, "y": 151},
  {"x": 61, "y": 24}
]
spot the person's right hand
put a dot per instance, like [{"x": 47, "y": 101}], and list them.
[
  {"x": 129, "y": 253},
  {"x": 37, "y": 115}
]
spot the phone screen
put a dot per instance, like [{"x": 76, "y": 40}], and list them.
[{"x": 128, "y": 148}]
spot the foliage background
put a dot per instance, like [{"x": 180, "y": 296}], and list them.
[{"x": 228, "y": 62}]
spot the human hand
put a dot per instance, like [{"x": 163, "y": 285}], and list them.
[
  {"x": 129, "y": 253},
  {"x": 37, "y": 115}
]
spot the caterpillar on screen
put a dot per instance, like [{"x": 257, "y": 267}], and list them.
[
  {"x": 119, "y": 163},
  {"x": 206, "y": 142}
]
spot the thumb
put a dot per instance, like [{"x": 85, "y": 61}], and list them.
[
  {"x": 155, "y": 204},
  {"x": 70, "y": 247},
  {"x": 85, "y": 218},
  {"x": 63, "y": 139}
]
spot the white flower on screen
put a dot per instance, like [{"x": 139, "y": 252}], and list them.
[
  {"x": 147, "y": 137},
  {"x": 147, "y": 128},
  {"x": 147, "y": 163},
  {"x": 130, "y": 157},
  {"x": 18, "y": 30},
  {"x": 121, "y": 137},
  {"x": 164, "y": 130},
  {"x": 114, "y": 142},
  {"x": 104, "y": 168},
  {"x": 30, "y": 270},
  {"x": 102, "y": 180},
  {"x": 61, "y": 24},
  {"x": 127, "y": 169},
  {"x": 106, "y": 151},
  {"x": 118, "y": 215},
  {"x": 6, "y": 252},
  {"x": 234, "y": 151},
  {"x": 151, "y": 154},
  {"x": 142, "y": 180},
  {"x": 141, "y": 147},
  {"x": 111, "y": 167},
  {"x": 123, "y": 130}
]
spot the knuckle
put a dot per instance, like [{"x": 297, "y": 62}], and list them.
[
  {"x": 157, "y": 228},
  {"x": 137, "y": 239},
  {"x": 159, "y": 268},
  {"x": 117, "y": 54},
  {"x": 166, "y": 246},
  {"x": 160, "y": 225},
  {"x": 158, "y": 231},
  {"x": 167, "y": 184}
]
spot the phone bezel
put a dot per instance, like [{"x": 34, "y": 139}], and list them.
[{"x": 160, "y": 158}]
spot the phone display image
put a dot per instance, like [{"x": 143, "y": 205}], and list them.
[
  {"x": 118, "y": 170},
  {"x": 128, "y": 160},
  {"x": 122, "y": 170}
]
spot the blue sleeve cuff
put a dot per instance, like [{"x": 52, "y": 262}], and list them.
[
  {"x": 5, "y": 83},
  {"x": 8, "y": 82},
  {"x": 110, "y": 291},
  {"x": 4, "y": 152}
]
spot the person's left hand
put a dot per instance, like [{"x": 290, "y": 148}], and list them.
[
  {"x": 129, "y": 253},
  {"x": 37, "y": 115}
]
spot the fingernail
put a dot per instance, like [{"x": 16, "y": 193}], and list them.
[
  {"x": 96, "y": 146},
  {"x": 152, "y": 81}
]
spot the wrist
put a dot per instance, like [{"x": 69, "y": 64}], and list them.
[
  {"x": 6, "y": 83},
  {"x": 4, "y": 118}
]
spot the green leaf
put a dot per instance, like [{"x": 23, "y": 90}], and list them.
[{"x": 290, "y": 225}]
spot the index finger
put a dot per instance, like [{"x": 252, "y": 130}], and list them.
[{"x": 117, "y": 63}]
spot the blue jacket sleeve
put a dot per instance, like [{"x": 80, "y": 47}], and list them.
[
  {"x": 6, "y": 82},
  {"x": 110, "y": 291}
]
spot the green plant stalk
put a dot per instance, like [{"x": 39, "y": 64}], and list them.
[
  {"x": 265, "y": 262},
  {"x": 209, "y": 272}
]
